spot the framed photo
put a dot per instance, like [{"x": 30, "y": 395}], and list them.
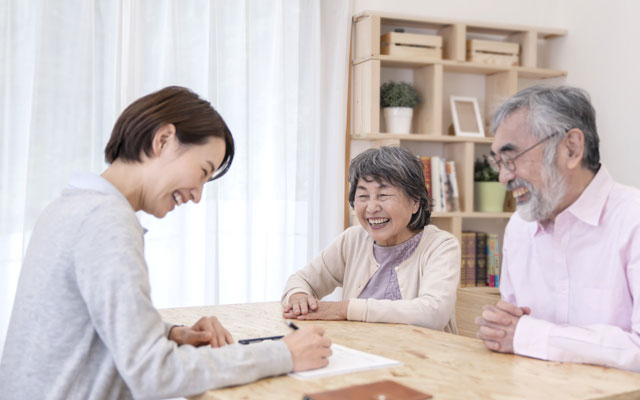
[{"x": 467, "y": 120}]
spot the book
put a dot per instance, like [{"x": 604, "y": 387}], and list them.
[
  {"x": 345, "y": 360},
  {"x": 387, "y": 390},
  {"x": 452, "y": 181},
  {"x": 426, "y": 169},
  {"x": 444, "y": 193},
  {"x": 493, "y": 260},
  {"x": 435, "y": 184},
  {"x": 481, "y": 258},
  {"x": 468, "y": 265}
]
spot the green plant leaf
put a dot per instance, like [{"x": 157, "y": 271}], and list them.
[
  {"x": 482, "y": 171},
  {"x": 398, "y": 94}
]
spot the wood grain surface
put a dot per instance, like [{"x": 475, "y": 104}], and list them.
[{"x": 444, "y": 365}]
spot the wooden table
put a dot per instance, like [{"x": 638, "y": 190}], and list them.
[{"x": 447, "y": 366}]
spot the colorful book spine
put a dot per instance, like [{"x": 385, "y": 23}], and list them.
[
  {"x": 468, "y": 265},
  {"x": 435, "y": 183},
  {"x": 493, "y": 260},
  {"x": 481, "y": 258},
  {"x": 426, "y": 169},
  {"x": 444, "y": 192},
  {"x": 452, "y": 180}
]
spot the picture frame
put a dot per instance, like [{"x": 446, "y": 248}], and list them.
[{"x": 465, "y": 113}]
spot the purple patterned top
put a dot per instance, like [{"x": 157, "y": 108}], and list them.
[{"x": 384, "y": 283}]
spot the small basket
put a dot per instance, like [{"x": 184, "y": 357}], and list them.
[{"x": 411, "y": 45}]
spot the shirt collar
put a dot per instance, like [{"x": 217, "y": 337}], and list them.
[
  {"x": 589, "y": 206},
  {"x": 90, "y": 181}
]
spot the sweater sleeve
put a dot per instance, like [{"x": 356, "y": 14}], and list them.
[
  {"x": 112, "y": 277},
  {"x": 322, "y": 275},
  {"x": 434, "y": 307}
]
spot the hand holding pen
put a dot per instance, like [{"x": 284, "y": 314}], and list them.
[{"x": 308, "y": 347}]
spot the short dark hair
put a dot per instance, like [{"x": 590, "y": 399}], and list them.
[
  {"x": 556, "y": 110},
  {"x": 194, "y": 118},
  {"x": 398, "y": 167}
]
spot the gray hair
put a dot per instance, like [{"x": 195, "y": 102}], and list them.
[
  {"x": 555, "y": 110},
  {"x": 398, "y": 167}
]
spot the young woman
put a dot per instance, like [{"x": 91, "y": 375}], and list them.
[{"x": 83, "y": 325}]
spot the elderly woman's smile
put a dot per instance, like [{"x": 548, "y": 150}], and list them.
[{"x": 384, "y": 210}]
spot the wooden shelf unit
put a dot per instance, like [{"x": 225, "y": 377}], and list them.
[{"x": 500, "y": 82}]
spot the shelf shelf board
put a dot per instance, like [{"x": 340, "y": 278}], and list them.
[
  {"x": 478, "y": 215},
  {"x": 415, "y": 137},
  {"x": 462, "y": 66},
  {"x": 472, "y": 26}
]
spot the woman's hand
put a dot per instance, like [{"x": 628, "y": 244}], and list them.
[
  {"x": 309, "y": 348},
  {"x": 207, "y": 331},
  {"x": 299, "y": 304},
  {"x": 328, "y": 311}
]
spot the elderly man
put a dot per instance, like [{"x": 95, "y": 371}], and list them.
[{"x": 571, "y": 258}]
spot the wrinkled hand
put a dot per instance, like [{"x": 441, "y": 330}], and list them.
[
  {"x": 328, "y": 311},
  {"x": 299, "y": 304},
  {"x": 498, "y": 324},
  {"x": 309, "y": 348},
  {"x": 207, "y": 331}
]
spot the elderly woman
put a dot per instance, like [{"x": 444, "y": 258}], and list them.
[
  {"x": 83, "y": 325},
  {"x": 394, "y": 267}
]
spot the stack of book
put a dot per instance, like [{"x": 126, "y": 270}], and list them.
[
  {"x": 480, "y": 264},
  {"x": 442, "y": 183}
]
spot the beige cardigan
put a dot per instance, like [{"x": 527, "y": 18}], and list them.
[{"x": 428, "y": 279}]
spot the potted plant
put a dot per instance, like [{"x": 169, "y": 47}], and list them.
[
  {"x": 398, "y": 99},
  {"x": 488, "y": 192}
]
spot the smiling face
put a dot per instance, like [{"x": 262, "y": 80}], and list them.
[
  {"x": 537, "y": 187},
  {"x": 384, "y": 211},
  {"x": 177, "y": 173}
]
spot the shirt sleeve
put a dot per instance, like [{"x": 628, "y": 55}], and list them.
[
  {"x": 594, "y": 344},
  {"x": 434, "y": 307},
  {"x": 112, "y": 277}
]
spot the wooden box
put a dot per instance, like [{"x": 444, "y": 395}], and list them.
[
  {"x": 493, "y": 53},
  {"x": 411, "y": 45}
]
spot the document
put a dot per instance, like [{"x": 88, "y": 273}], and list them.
[{"x": 344, "y": 361}]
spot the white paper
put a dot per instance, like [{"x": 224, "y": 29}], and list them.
[{"x": 345, "y": 360}]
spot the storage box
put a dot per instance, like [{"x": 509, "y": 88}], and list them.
[
  {"x": 411, "y": 45},
  {"x": 493, "y": 53}
]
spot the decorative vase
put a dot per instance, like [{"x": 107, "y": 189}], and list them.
[
  {"x": 398, "y": 119},
  {"x": 489, "y": 196}
]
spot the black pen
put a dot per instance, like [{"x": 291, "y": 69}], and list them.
[{"x": 260, "y": 339}]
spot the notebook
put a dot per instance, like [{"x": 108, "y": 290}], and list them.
[{"x": 383, "y": 390}]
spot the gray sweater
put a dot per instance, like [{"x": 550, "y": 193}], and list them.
[{"x": 83, "y": 325}]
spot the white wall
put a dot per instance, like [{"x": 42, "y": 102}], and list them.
[{"x": 600, "y": 53}]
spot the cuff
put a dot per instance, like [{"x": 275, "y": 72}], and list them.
[
  {"x": 167, "y": 327},
  {"x": 531, "y": 337},
  {"x": 357, "y": 310},
  {"x": 287, "y": 296}
]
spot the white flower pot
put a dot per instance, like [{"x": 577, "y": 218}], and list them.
[{"x": 398, "y": 119}]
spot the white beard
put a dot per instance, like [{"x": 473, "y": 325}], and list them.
[{"x": 543, "y": 203}]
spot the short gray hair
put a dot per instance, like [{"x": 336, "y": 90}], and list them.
[
  {"x": 556, "y": 110},
  {"x": 398, "y": 167}
]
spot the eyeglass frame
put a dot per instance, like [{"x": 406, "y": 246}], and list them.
[{"x": 510, "y": 162}]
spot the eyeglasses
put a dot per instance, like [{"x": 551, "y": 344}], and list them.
[{"x": 510, "y": 162}]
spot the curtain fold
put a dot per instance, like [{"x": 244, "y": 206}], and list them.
[{"x": 277, "y": 73}]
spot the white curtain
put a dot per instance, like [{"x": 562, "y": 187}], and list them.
[{"x": 276, "y": 70}]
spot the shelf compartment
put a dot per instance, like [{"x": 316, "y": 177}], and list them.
[{"x": 415, "y": 137}]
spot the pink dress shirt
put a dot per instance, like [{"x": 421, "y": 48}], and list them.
[{"x": 581, "y": 278}]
